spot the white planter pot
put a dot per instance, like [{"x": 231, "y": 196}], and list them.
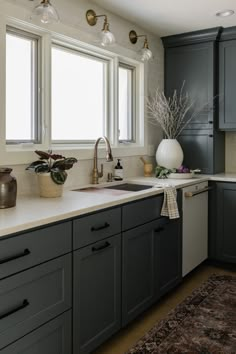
[
  {"x": 169, "y": 154},
  {"x": 48, "y": 188}
]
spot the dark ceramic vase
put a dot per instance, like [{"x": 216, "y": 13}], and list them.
[{"x": 8, "y": 188}]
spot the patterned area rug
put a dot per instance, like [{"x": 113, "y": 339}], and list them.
[{"x": 204, "y": 323}]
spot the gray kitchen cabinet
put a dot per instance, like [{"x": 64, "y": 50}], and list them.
[
  {"x": 192, "y": 58},
  {"x": 36, "y": 290},
  {"x": 202, "y": 149},
  {"x": 138, "y": 266},
  {"x": 33, "y": 297},
  {"x": 96, "y": 293},
  {"x": 169, "y": 255},
  {"x": 227, "y": 80},
  {"x": 223, "y": 222},
  {"x": 151, "y": 263},
  {"x": 94, "y": 227},
  {"x": 30, "y": 248},
  {"x": 52, "y": 338}
]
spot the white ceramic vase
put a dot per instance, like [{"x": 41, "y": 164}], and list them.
[
  {"x": 48, "y": 188},
  {"x": 169, "y": 153}
]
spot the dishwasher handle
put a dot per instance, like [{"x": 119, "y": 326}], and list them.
[{"x": 192, "y": 194}]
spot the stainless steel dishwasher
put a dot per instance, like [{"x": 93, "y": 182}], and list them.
[{"x": 195, "y": 226}]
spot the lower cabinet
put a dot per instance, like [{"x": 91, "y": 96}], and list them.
[
  {"x": 223, "y": 223},
  {"x": 169, "y": 255},
  {"x": 138, "y": 270},
  {"x": 52, "y": 338},
  {"x": 97, "y": 293},
  {"x": 151, "y": 265},
  {"x": 33, "y": 297}
]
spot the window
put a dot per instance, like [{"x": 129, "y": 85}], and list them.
[
  {"x": 62, "y": 94},
  {"x": 22, "y": 81},
  {"x": 79, "y": 97},
  {"x": 126, "y": 103}
]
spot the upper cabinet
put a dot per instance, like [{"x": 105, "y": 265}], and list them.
[
  {"x": 227, "y": 79},
  {"x": 191, "y": 59},
  {"x": 193, "y": 67}
]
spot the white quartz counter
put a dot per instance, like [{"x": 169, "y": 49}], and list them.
[{"x": 35, "y": 211}]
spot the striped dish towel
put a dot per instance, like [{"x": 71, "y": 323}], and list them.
[{"x": 170, "y": 207}]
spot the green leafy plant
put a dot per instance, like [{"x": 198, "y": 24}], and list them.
[
  {"x": 54, "y": 164},
  {"x": 163, "y": 172}
]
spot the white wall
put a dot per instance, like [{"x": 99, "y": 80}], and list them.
[{"x": 73, "y": 23}]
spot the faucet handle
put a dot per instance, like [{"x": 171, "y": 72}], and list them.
[{"x": 100, "y": 174}]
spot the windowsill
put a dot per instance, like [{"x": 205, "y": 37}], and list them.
[{"x": 16, "y": 156}]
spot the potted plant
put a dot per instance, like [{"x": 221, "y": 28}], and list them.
[
  {"x": 51, "y": 170},
  {"x": 172, "y": 114}
]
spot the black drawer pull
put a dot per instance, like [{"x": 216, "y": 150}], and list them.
[
  {"x": 210, "y": 135},
  {"x": 15, "y": 309},
  {"x": 99, "y": 248},
  {"x": 93, "y": 228},
  {"x": 159, "y": 229},
  {"x": 16, "y": 256}
]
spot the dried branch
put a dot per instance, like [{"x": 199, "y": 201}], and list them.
[{"x": 171, "y": 113}]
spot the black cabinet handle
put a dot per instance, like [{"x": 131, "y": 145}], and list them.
[
  {"x": 93, "y": 228},
  {"x": 24, "y": 304},
  {"x": 16, "y": 256},
  {"x": 210, "y": 135},
  {"x": 99, "y": 248},
  {"x": 159, "y": 229},
  {"x": 210, "y": 122}
]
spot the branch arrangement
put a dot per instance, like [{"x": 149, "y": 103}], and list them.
[{"x": 171, "y": 113}]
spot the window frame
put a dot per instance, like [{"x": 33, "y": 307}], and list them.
[
  {"x": 133, "y": 98},
  {"x": 23, "y": 153},
  {"x": 36, "y": 118}
]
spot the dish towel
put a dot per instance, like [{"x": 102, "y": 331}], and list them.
[{"x": 170, "y": 207}]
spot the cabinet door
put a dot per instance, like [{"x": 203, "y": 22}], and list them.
[
  {"x": 169, "y": 255},
  {"x": 138, "y": 270},
  {"x": 52, "y": 338},
  {"x": 227, "y": 82},
  {"x": 226, "y": 222},
  {"x": 198, "y": 151},
  {"x": 33, "y": 297},
  {"x": 97, "y": 293},
  {"x": 194, "y": 65}
]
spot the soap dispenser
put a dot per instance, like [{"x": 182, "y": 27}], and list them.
[{"x": 118, "y": 172}]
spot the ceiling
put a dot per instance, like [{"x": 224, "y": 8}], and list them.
[{"x": 166, "y": 17}]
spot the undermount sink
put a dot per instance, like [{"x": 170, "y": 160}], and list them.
[
  {"x": 131, "y": 187},
  {"x": 124, "y": 187}
]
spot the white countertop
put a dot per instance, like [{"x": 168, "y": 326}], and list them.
[{"x": 35, "y": 211}]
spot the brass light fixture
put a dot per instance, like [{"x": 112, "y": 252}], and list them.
[
  {"x": 146, "y": 53},
  {"x": 45, "y": 12},
  {"x": 106, "y": 36}
]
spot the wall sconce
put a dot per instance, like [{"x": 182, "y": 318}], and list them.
[
  {"x": 45, "y": 12},
  {"x": 106, "y": 36},
  {"x": 146, "y": 53}
]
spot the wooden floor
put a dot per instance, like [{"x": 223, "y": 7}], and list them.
[{"x": 127, "y": 337}]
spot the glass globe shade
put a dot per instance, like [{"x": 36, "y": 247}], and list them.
[
  {"x": 107, "y": 38},
  {"x": 146, "y": 54},
  {"x": 45, "y": 12}
]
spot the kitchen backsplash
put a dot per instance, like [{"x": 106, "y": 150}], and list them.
[
  {"x": 230, "y": 152},
  {"x": 79, "y": 175}
]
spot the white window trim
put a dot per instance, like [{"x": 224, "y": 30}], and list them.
[{"x": 24, "y": 153}]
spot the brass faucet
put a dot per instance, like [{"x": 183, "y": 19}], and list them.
[{"x": 96, "y": 174}]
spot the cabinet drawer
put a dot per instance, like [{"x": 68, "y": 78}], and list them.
[
  {"x": 95, "y": 227},
  {"x": 141, "y": 212},
  {"x": 33, "y": 297},
  {"x": 26, "y": 250},
  {"x": 52, "y": 338}
]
